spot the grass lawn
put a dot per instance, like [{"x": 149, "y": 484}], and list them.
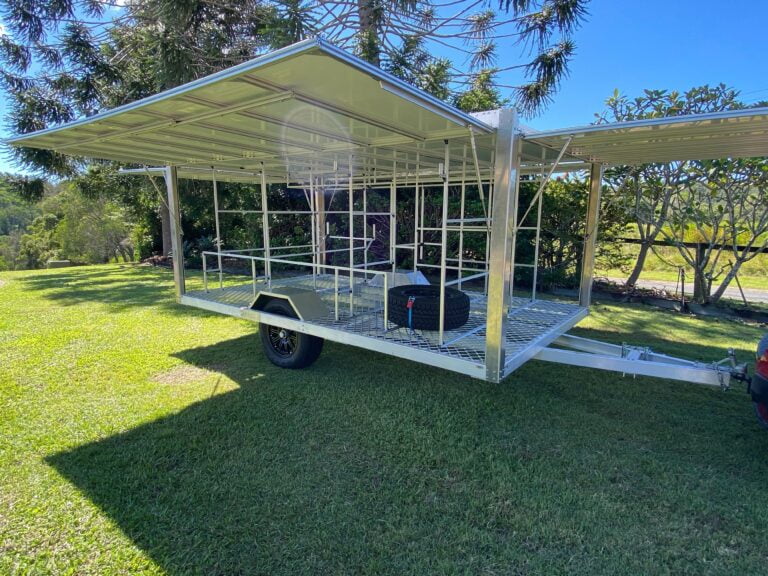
[
  {"x": 140, "y": 437},
  {"x": 753, "y": 274},
  {"x": 756, "y": 282}
]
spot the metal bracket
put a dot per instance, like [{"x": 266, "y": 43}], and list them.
[{"x": 642, "y": 361}]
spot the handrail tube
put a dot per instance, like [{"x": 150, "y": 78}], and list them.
[
  {"x": 205, "y": 272},
  {"x": 366, "y": 264},
  {"x": 283, "y": 261},
  {"x": 467, "y": 278}
]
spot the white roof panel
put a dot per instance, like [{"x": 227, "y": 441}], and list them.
[
  {"x": 313, "y": 108},
  {"x": 308, "y": 106},
  {"x": 730, "y": 134}
]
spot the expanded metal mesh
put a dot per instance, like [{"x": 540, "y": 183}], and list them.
[{"x": 530, "y": 322}]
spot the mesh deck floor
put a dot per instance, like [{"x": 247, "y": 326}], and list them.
[{"x": 532, "y": 323}]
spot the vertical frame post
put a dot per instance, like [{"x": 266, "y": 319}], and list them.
[
  {"x": 393, "y": 215},
  {"x": 218, "y": 227},
  {"x": 320, "y": 235},
  {"x": 351, "y": 202},
  {"x": 416, "y": 209},
  {"x": 590, "y": 235},
  {"x": 536, "y": 248},
  {"x": 461, "y": 212},
  {"x": 444, "y": 242},
  {"x": 253, "y": 275},
  {"x": 172, "y": 186},
  {"x": 365, "y": 232},
  {"x": 265, "y": 227},
  {"x": 488, "y": 238},
  {"x": 321, "y": 219},
  {"x": 421, "y": 225},
  {"x": 351, "y": 208},
  {"x": 312, "y": 221},
  {"x": 505, "y": 190}
]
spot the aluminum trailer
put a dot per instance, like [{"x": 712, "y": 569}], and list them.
[{"x": 327, "y": 126}]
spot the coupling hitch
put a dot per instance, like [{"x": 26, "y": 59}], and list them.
[{"x": 735, "y": 370}]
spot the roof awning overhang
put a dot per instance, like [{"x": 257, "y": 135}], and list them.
[
  {"x": 307, "y": 107},
  {"x": 730, "y": 134},
  {"x": 311, "y": 109}
]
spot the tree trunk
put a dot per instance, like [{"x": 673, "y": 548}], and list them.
[
  {"x": 639, "y": 264},
  {"x": 165, "y": 223},
  {"x": 726, "y": 282},
  {"x": 369, "y": 42},
  {"x": 701, "y": 286}
]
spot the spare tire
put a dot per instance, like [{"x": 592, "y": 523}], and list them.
[{"x": 425, "y": 313}]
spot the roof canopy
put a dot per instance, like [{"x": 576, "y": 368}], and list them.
[
  {"x": 312, "y": 109},
  {"x": 306, "y": 107},
  {"x": 731, "y": 134}
]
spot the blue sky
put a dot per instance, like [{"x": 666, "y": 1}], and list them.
[
  {"x": 631, "y": 46},
  {"x": 675, "y": 44}
]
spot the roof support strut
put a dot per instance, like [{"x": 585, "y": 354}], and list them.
[
  {"x": 590, "y": 235},
  {"x": 172, "y": 185},
  {"x": 504, "y": 202}
]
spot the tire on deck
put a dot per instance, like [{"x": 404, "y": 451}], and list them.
[{"x": 425, "y": 314}]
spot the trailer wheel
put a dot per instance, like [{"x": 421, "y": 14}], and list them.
[
  {"x": 288, "y": 348},
  {"x": 425, "y": 307}
]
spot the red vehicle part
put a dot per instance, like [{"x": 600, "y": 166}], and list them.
[{"x": 759, "y": 386}]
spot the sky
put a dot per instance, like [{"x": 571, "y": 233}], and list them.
[
  {"x": 645, "y": 44},
  {"x": 664, "y": 44}
]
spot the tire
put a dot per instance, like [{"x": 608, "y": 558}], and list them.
[
  {"x": 288, "y": 348},
  {"x": 425, "y": 314}
]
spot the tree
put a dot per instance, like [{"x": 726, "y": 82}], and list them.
[
  {"x": 723, "y": 209},
  {"x": 15, "y": 210},
  {"x": 71, "y": 58},
  {"x": 646, "y": 192},
  {"x": 92, "y": 230},
  {"x": 10, "y": 249},
  {"x": 38, "y": 244},
  {"x": 400, "y": 35},
  {"x": 482, "y": 95},
  {"x": 56, "y": 67},
  {"x": 64, "y": 59}
]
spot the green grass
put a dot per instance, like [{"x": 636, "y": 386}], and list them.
[
  {"x": 670, "y": 275},
  {"x": 140, "y": 437},
  {"x": 753, "y": 274}
]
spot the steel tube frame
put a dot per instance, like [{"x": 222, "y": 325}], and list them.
[
  {"x": 461, "y": 212},
  {"x": 503, "y": 216},
  {"x": 174, "y": 208},
  {"x": 444, "y": 244},
  {"x": 265, "y": 227},
  {"x": 351, "y": 203},
  {"x": 401, "y": 351},
  {"x": 537, "y": 243},
  {"x": 218, "y": 229},
  {"x": 503, "y": 226},
  {"x": 416, "y": 209},
  {"x": 698, "y": 374},
  {"x": 393, "y": 216},
  {"x": 590, "y": 235}
]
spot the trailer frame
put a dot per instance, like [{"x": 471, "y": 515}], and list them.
[{"x": 277, "y": 122}]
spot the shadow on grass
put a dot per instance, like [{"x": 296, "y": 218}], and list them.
[
  {"x": 368, "y": 464},
  {"x": 120, "y": 287}
]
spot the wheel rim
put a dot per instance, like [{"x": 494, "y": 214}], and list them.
[{"x": 284, "y": 342}]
